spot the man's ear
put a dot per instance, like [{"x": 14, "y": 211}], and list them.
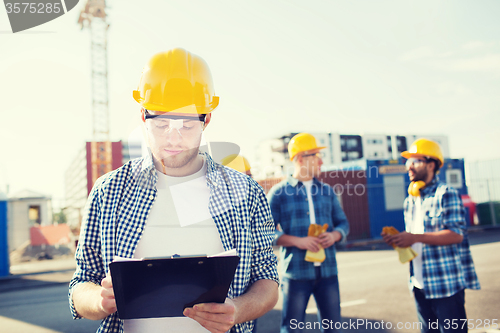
[
  {"x": 435, "y": 167},
  {"x": 143, "y": 115},
  {"x": 298, "y": 159},
  {"x": 430, "y": 167},
  {"x": 207, "y": 120}
]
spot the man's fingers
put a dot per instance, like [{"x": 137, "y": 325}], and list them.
[
  {"x": 108, "y": 302},
  {"x": 214, "y": 317},
  {"x": 324, "y": 235},
  {"x": 313, "y": 247},
  {"x": 315, "y": 244},
  {"x": 388, "y": 239},
  {"x": 314, "y": 240},
  {"x": 109, "y": 305},
  {"x": 107, "y": 293},
  {"x": 107, "y": 287},
  {"x": 107, "y": 282},
  {"x": 215, "y": 308}
]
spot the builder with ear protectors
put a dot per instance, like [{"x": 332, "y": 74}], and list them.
[{"x": 436, "y": 230}]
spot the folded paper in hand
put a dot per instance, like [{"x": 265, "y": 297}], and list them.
[
  {"x": 406, "y": 254},
  {"x": 315, "y": 230}
]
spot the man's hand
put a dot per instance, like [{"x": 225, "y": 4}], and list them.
[
  {"x": 308, "y": 243},
  {"x": 441, "y": 237},
  {"x": 387, "y": 238},
  {"x": 215, "y": 317},
  {"x": 403, "y": 239},
  {"x": 327, "y": 239},
  {"x": 93, "y": 301},
  {"x": 108, "y": 302}
]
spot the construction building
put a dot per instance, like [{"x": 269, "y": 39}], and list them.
[
  {"x": 83, "y": 172},
  {"x": 341, "y": 150}
]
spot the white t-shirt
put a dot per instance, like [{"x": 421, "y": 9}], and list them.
[
  {"x": 308, "y": 185},
  {"x": 179, "y": 223},
  {"x": 312, "y": 216},
  {"x": 417, "y": 227}
]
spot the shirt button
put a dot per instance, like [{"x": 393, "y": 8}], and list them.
[
  {"x": 307, "y": 213},
  {"x": 139, "y": 229},
  {"x": 215, "y": 183},
  {"x": 151, "y": 197}
]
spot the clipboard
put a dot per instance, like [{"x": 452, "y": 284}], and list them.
[{"x": 154, "y": 288}]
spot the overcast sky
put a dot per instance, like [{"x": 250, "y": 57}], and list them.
[{"x": 352, "y": 67}]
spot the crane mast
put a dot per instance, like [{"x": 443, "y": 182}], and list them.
[{"x": 93, "y": 17}]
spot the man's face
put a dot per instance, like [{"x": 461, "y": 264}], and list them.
[
  {"x": 312, "y": 162},
  {"x": 418, "y": 169},
  {"x": 174, "y": 138}
]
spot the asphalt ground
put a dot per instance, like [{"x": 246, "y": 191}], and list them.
[{"x": 56, "y": 273}]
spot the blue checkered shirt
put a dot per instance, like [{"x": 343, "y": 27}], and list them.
[
  {"x": 447, "y": 269},
  {"x": 290, "y": 209},
  {"x": 117, "y": 210}
]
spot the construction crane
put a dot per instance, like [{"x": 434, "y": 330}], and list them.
[{"x": 93, "y": 16}]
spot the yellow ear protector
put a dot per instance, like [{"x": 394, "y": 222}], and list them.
[{"x": 414, "y": 188}]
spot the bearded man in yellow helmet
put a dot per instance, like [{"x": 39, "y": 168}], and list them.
[
  {"x": 299, "y": 204},
  {"x": 436, "y": 230},
  {"x": 176, "y": 200}
]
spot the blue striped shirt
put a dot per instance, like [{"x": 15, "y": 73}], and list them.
[
  {"x": 446, "y": 269},
  {"x": 290, "y": 209},
  {"x": 117, "y": 210}
]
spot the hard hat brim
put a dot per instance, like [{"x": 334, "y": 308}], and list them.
[
  {"x": 317, "y": 148},
  {"x": 306, "y": 151},
  {"x": 407, "y": 155}
]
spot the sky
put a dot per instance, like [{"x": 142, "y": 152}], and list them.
[{"x": 350, "y": 67}]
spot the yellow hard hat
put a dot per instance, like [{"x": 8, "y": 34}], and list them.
[
  {"x": 236, "y": 162},
  {"x": 176, "y": 80},
  {"x": 425, "y": 148},
  {"x": 302, "y": 142}
]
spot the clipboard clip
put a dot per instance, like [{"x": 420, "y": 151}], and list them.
[{"x": 178, "y": 256}]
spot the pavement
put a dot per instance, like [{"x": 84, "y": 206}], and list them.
[
  {"x": 38, "y": 273},
  {"x": 42, "y": 272},
  {"x": 60, "y": 269}
]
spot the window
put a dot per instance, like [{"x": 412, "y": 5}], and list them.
[
  {"x": 34, "y": 214},
  {"x": 394, "y": 192},
  {"x": 454, "y": 178},
  {"x": 351, "y": 147}
]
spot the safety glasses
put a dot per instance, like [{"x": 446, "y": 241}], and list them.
[
  {"x": 185, "y": 125},
  {"x": 148, "y": 115},
  {"x": 416, "y": 162},
  {"x": 320, "y": 155}
]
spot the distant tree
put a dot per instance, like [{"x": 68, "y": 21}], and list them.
[{"x": 60, "y": 217}]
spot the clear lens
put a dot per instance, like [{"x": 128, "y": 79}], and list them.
[
  {"x": 320, "y": 155},
  {"x": 185, "y": 126},
  {"x": 415, "y": 162}
]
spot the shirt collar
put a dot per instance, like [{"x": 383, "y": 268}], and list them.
[
  {"x": 294, "y": 181},
  {"x": 148, "y": 164},
  {"x": 213, "y": 172}
]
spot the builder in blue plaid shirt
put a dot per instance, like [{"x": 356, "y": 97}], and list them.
[
  {"x": 437, "y": 232},
  {"x": 176, "y": 200},
  {"x": 296, "y": 203}
]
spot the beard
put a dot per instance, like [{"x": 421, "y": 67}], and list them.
[
  {"x": 180, "y": 160},
  {"x": 419, "y": 175}
]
